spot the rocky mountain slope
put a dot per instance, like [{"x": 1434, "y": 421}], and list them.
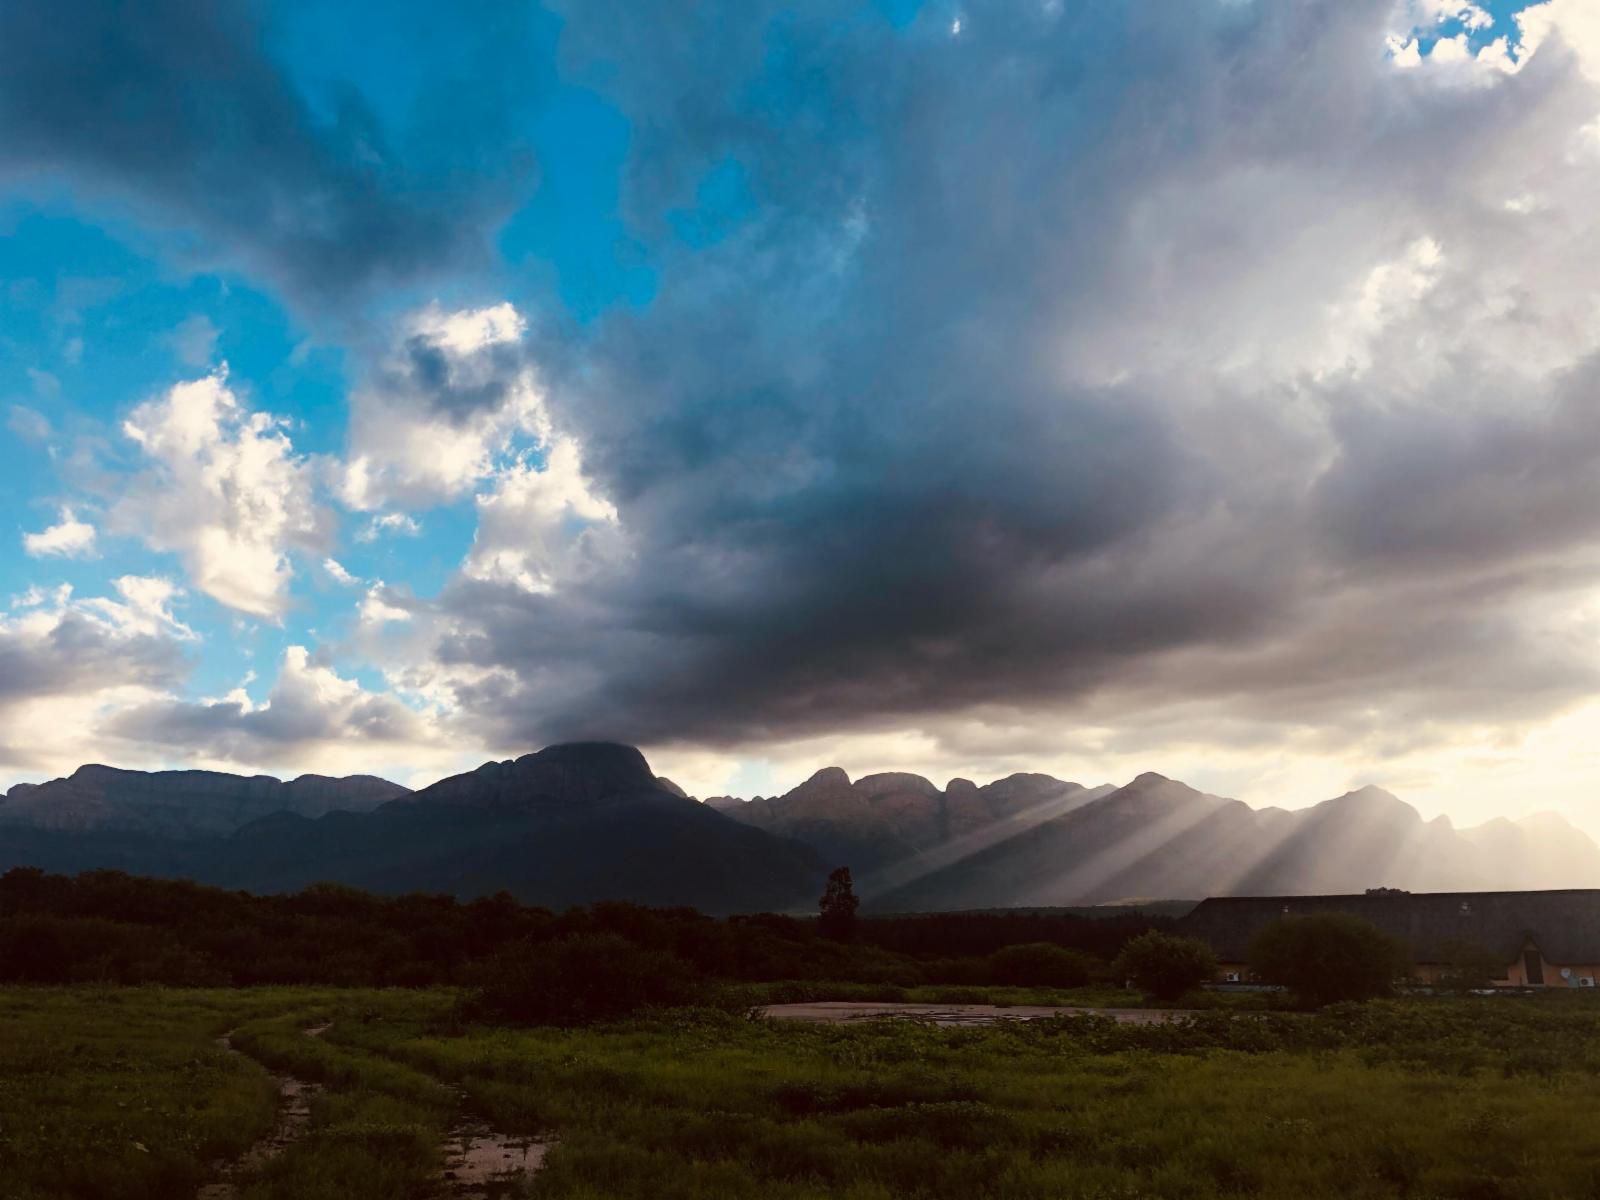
[
  {"x": 569, "y": 825},
  {"x": 886, "y": 825},
  {"x": 97, "y": 799},
  {"x": 590, "y": 821},
  {"x": 1158, "y": 837}
]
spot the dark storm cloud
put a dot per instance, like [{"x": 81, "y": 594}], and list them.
[
  {"x": 174, "y": 106},
  {"x": 1085, "y": 354}
]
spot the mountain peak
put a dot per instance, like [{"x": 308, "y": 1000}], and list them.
[
  {"x": 827, "y": 777},
  {"x": 1149, "y": 779},
  {"x": 885, "y": 782},
  {"x": 609, "y": 764},
  {"x": 1371, "y": 797}
]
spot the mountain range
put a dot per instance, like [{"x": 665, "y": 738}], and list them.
[{"x": 581, "y": 822}]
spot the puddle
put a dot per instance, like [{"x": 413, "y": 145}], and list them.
[
  {"x": 481, "y": 1164},
  {"x": 842, "y": 1011},
  {"x": 294, "y": 1116}
]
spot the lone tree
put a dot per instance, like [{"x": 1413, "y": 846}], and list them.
[
  {"x": 838, "y": 907},
  {"x": 1165, "y": 966},
  {"x": 1325, "y": 957}
]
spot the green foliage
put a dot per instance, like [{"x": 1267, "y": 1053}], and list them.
[
  {"x": 837, "y": 908},
  {"x": 1468, "y": 965},
  {"x": 1423, "y": 1097},
  {"x": 1327, "y": 957},
  {"x": 580, "y": 980},
  {"x": 1165, "y": 966},
  {"x": 107, "y": 926},
  {"x": 1040, "y": 964}
]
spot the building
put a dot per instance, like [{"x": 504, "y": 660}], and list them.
[{"x": 1545, "y": 939}]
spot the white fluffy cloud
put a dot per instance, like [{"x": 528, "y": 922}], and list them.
[
  {"x": 535, "y": 519},
  {"x": 397, "y": 524},
  {"x": 224, "y": 490},
  {"x": 68, "y": 665},
  {"x": 336, "y": 572},
  {"x": 430, "y": 424},
  {"x": 376, "y": 608},
  {"x": 68, "y": 538},
  {"x": 312, "y": 718}
]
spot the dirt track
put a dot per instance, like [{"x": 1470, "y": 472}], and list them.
[{"x": 833, "y": 1012}]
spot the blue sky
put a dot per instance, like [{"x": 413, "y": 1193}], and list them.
[{"x": 398, "y": 386}]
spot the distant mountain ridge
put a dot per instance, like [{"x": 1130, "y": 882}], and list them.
[
  {"x": 888, "y": 825},
  {"x": 572, "y": 824},
  {"x": 581, "y": 822},
  {"x": 100, "y": 799},
  {"x": 1156, "y": 836}
]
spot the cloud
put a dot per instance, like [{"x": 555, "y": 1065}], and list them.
[
  {"x": 535, "y": 519},
  {"x": 311, "y": 716},
  {"x": 178, "y": 108},
  {"x": 1248, "y": 406},
  {"x": 398, "y": 524},
  {"x": 376, "y": 608},
  {"x": 338, "y": 574},
  {"x": 65, "y": 663},
  {"x": 70, "y": 538},
  {"x": 224, "y": 490},
  {"x": 454, "y": 395},
  {"x": 194, "y": 341},
  {"x": 29, "y": 424},
  {"x": 1088, "y": 388}
]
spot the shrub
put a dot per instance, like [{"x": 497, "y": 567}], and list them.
[
  {"x": 582, "y": 979},
  {"x": 1326, "y": 957},
  {"x": 1468, "y": 966},
  {"x": 1165, "y": 966},
  {"x": 1040, "y": 964}
]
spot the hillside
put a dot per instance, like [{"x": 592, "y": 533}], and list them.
[
  {"x": 582, "y": 822},
  {"x": 569, "y": 825},
  {"x": 1157, "y": 836},
  {"x": 99, "y": 799}
]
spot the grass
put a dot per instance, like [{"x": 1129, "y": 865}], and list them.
[
  {"x": 125, "y": 1094},
  {"x": 1100, "y": 996}
]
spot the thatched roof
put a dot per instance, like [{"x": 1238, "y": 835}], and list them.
[{"x": 1564, "y": 924}]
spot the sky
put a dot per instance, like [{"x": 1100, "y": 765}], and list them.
[{"x": 1062, "y": 385}]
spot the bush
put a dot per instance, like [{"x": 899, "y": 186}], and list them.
[
  {"x": 1040, "y": 964},
  {"x": 582, "y": 979},
  {"x": 1326, "y": 957},
  {"x": 1164, "y": 966},
  {"x": 1468, "y": 966}
]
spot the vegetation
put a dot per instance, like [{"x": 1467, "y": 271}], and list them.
[
  {"x": 1164, "y": 966},
  {"x": 837, "y": 909},
  {"x": 1325, "y": 957},
  {"x": 124, "y": 1093},
  {"x": 583, "y": 979},
  {"x": 108, "y": 927},
  {"x": 1468, "y": 966},
  {"x": 626, "y": 1034},
  {"x": 1042, "y": 964}
]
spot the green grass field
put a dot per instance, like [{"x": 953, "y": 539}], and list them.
[{"x": 125, "y": 1093}]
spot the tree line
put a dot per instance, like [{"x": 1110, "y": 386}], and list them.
[{"x": 111, "y": 927}]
